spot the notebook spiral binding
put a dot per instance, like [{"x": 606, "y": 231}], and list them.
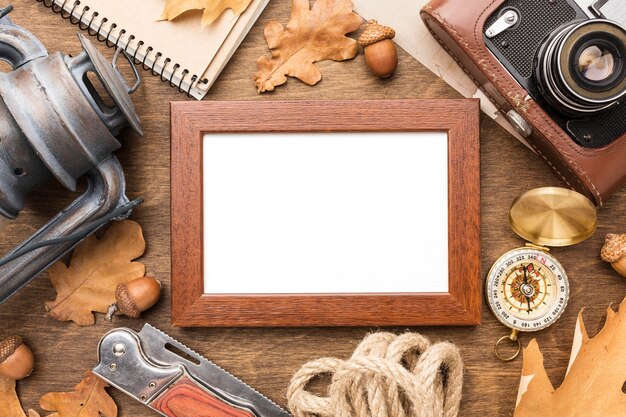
[{"x": 58, "y": 7}]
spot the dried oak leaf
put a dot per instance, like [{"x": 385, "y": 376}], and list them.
[
  {"x": 212, "y": 8},
  {"x": 96, "y": 268},
  {"x": 10, "y": 405},
  {"x": 89, "y": 399},
  {"x": 311, "y": 35},
  {"x": 594, "y": 379}
]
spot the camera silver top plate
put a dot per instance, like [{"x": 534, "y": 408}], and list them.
[{"x": 610, "y": 9}]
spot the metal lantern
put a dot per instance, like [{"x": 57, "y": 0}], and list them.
[{"x": 55, "y": 125}]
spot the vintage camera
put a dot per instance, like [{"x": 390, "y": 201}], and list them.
[
  {"x": 570, "y": 59},
  {"x": 556, "y": 69}
]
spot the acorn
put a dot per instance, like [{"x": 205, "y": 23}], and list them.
[
  {"x": 138, "y": 295},
  {"x": 614, "y": 252},
  {"x": 381, "y": 56},
  {"x": 16, "y": 359}
]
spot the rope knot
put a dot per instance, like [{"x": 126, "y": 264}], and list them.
[{"x": 387, "y": 376}]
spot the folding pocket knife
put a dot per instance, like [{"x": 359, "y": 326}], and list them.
[{"x": 145, "y": 366}]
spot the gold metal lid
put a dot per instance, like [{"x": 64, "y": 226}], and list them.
[{"x": 553, "y": 216}]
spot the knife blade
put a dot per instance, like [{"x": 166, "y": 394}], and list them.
[{"x": 145, "y": 366}]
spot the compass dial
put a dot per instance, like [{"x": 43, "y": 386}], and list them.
[{"x": 527, "y": 289}]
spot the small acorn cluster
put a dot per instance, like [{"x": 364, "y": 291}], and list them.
[
  {"x": 138, "y": 295},
  {"x": 614, "y": 252},
  {"x": 16, "y": 359},
  {"x": 381, "y": 56}
]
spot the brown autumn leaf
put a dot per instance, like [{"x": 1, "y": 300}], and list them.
[
  {"x": 311, "y": 36},
  {"x": 10, "y": 405},
  {"x": 96, "y": 268},
  {"x": 212, "y": 8},
  {"x": 594, "y": 379},
  {"x": 89, "y": 399}
]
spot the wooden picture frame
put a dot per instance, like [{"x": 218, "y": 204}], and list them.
[{"x": 460, "y": 305}]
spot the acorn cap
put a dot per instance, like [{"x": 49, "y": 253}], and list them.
[
  {"x": 8, "y": 346},
  {"x": 375, "y": 32},
  {"x": 614, "y": 248},
  {"x": 125, "y": 303}
]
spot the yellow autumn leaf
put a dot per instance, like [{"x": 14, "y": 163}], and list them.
[
  {"x": 10, "y": 405},
  {"x": 212, "y": 8},
  {"x": 594, "y": 379},
  {"x": 312, "y": 35},
  {"x": 89, "y": 399},
  {"x": 96, "y": 268}
]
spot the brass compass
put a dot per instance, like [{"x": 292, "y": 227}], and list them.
[{"x": 527, "y": 288}]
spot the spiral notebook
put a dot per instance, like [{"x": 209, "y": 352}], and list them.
[{"x": 183, "y": 54}]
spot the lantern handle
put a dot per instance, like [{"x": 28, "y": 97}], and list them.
[
  {"x": 105, "y": 194},
  {"x": 118, "y": 52}
]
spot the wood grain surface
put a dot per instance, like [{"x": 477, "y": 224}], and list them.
[
  {"x": 459, "y": 305},
  {"x": 267, "y": 358}
]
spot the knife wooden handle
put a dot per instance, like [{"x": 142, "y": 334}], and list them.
[{"x": 185, "y": 398}]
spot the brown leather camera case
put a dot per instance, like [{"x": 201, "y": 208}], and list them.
[{"x": 459, "y": 26}]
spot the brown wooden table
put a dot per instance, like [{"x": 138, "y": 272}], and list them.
[{"x": 266, "y": 358}]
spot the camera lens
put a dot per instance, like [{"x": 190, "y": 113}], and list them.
[
  {"x": 581, "y": 67},
  {"x": 596, "y": 63}
]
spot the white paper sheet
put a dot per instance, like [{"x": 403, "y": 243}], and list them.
[{"x": 325, "y": 213}]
